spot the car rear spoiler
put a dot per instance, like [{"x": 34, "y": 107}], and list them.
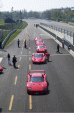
[{"x": 36, "y": 71}]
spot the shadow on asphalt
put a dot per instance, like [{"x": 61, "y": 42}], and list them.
[
  {"x": 1, "y": 73},
  {"x": 16, "y": 68},
  {"x": 0, "y": 110},
  {"x": 3, "y": 50},
  {"x": 59, "y": 53},
  {"x": 3, "y": 67}
]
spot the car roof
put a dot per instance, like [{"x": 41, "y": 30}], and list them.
[{"x": 40, "y": 45}]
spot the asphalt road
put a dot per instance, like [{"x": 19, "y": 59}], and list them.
[
  {"x": 62, "y": 25},
  {"x": 60, "y": 76}
]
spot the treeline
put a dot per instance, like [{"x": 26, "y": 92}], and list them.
[{"x": 62, "y": 14}]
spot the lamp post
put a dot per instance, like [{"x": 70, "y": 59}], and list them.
[{"x": 11, "y": 18}]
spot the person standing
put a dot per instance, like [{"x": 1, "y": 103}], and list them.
[
  {"x": 18, "y": 42},
  {"x": 14, "y": 60},
  {"x": 9, "y": 62},
  {"x": 58, "y": 48},
  {"x": 47, "y": 55},
  {"x": 25, "y": 44}
]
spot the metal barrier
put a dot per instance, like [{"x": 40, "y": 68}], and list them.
[
  {"x": 66, "y": 42},
  {"x": 6, "y": 39}
]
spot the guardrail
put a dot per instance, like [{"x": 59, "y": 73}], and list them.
[
  {"x": 64, "y": 34},
  {"x": 6, "y": 39},
  {"x": 66, "y": 42}
]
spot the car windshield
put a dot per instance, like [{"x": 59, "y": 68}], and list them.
[
  {"x": 38, "y": 55},
  {"x": 41, "y": 46},
  {"x": 39, "y": 41},
  {"x": 38, "y": 38},
  {"x": 37, "y": 79}
]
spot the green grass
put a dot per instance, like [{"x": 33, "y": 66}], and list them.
[
  {"x": 2, "y": 22},
  {"x": 16, "y": 33}
]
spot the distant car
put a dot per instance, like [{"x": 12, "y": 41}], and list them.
[
  {"x": 38, "y": 58},
  {"x": 1, "y": 69},
  {"x": 40, "y": 42},
  {"x": 36, "y": 82},
  {"x": 41, "y": 48},
  {"x": 38, "y": 38}
]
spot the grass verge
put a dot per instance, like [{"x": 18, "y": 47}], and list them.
[{"x": 15, "y": 34}]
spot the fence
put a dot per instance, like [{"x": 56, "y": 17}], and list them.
[
  {"x": 6, "y": 33},
  {"x": 60, "y": 35},
  {"x": 64, "y": 34}
]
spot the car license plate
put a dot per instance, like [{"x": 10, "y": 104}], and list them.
[{"x": 36, "y": 92}]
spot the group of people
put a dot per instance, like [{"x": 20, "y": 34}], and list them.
[{"x": 14, "y": 60}]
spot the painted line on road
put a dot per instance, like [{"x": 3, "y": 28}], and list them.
[
  {"x": 29, "y": 52},
  {"x": 58, "y": 54},
  {"x": 22, "y": 48},
  {"x": 1, "y": 59},
  {"x": 11, "y": 102},
  {"x": 20, "y": 59},
  {"x": 29, "y": 66},
  {"x": 18, "y": 67},
  {"x": 30, "y": 102},
  {"x": 21, "y": 52},
  {"x": 15, "y": 80},
  {"x": 29, "y": 48},
  {"x": 29, "y": 58}
]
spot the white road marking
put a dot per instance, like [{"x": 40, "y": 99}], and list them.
[
  {"x": 58, "y": 54},
  {"x": 1, "y": 59}
]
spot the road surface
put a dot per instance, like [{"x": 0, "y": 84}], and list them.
[{"x": 60, "y": 76}]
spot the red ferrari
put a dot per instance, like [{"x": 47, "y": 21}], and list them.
[
  {"x": 1, "y": 69},
  {"x": 38, "y": 38},
  {"x": 41, "y": 48},
  {"x": 36, "y": 82},
  {"x": 38, "y": 58},
  {"x": 40, "y": 42}
]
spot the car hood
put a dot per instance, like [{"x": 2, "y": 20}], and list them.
[
  {"x": 42, "y": 48},
  {"x": 37, "y": 86},
  {"x": 38, "y": 59}
]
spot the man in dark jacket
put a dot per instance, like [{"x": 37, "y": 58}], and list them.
[
  {"x": 58, "y": 48},
  {"x": 9, "y": 62},
  {"x": 47, "y": 56},
  {"x": 18, "y": 42},
  {"x": 14, "y": 60}
]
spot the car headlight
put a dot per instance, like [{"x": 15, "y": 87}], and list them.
[
  {"x": 32, "y": 59},
  {"x": 29, "y": 89},
  {"x": 43, "y": 59},
  {"x": 44, "y": 89}
]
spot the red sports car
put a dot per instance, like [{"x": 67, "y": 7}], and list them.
[
  {"x": 1, "y": 69},
  {"x": 40, "y": 42},
  {"x": 38, "y": 58},
  {"x": 38, "y": 38},
  {"x": 36, "y": 82},
  {"x": 41, "y": 48}
]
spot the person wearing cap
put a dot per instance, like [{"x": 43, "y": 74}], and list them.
[
  {"x": 47, "y": 55},
  {"x": 14, "y": 60}
]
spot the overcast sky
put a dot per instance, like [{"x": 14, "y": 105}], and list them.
[{"x": 34, "y": 5}]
